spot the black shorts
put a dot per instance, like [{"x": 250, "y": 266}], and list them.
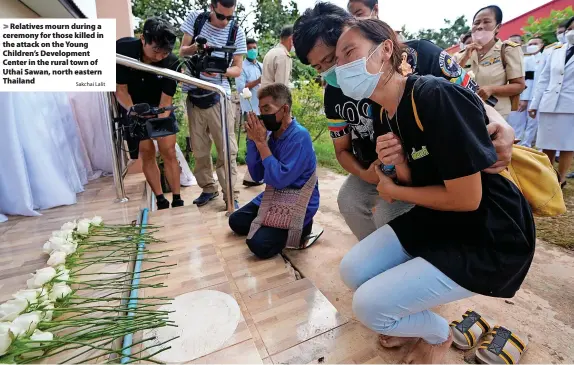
[{"x": 134, "y": 143}]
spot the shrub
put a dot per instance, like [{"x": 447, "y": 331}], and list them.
[
  {"x": 308, "y": 107},
  {"x": 546, "y": 27}
]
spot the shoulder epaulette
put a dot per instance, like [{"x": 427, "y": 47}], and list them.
[
  {"x": 550, "y": 45},
  {"x": 558, "y": 46},
  {"x": 512, "y": 44}
]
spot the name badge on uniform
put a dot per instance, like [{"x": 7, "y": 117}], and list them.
[{"x": 417, "y": 155}]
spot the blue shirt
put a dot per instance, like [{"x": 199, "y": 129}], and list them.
[
  {"x": 218, "y": 38},
  {"x": 291, "y": 164},
  {"x": 251, "y": 72}
]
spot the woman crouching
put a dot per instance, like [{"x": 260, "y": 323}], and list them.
[{"x": 469, "y": 232}]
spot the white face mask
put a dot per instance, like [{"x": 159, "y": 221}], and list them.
[
  {"x": 532, "y": 49},
  {"x": 561, "y": 38},
  {"x": 482, "y": 37},
  {"x": 570, "y": 37},
  {"x": 355, "y": 80}
]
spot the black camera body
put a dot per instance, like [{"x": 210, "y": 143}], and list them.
[
  {"x": 144, "y": 122},
  {"x": 204, "y": 61}
]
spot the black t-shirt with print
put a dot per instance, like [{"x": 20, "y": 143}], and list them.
[
  {"x": 487, "y": 251},
  {"x": 348, "y": 116},
  {"x": 144, "y": 87}
]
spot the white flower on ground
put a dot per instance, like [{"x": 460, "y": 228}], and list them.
[
  {"x": 5, "y": 338},
  {"x": 57, "y": 258},
  {"x": 61, "y": 244},
  {"x": 25, "y": 323},
  {"x": 70, "y": 226},
  {"x": 64, "y": 234},
  {"x": 41, "y": 277},
  {"x": 471, "y": 74},
  {"x": 63, "y": 274},
  {"x": 59, "y": 291},
  {"x": 97, "y": 220},
  {"x": 43, "y": 337},
  {"x": 84, "y": 226},
  {"x": 47, "y": 309},
  {"x": 246, "y": 94},
  {"x": 31, "y": 295},
  {"x": 47, "y": 248},
  {"x": 12, "y": 309}
]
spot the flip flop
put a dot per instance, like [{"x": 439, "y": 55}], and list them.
[
  {"x": 503, "y": 347},
  {"x": 309, "y": 240},
  {"x": 468, "y": 332}
]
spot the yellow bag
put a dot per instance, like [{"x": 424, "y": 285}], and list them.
[{"x": 533, "y": 174}]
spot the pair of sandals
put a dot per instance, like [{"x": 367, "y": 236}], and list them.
[{"x": 497, "y": 344}]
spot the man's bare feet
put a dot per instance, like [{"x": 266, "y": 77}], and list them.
[
  {"x": 425, "y": 353},
  {"x": 392, "y": 342}
]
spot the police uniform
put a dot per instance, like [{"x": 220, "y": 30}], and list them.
[{"x": 489, "y": 70}]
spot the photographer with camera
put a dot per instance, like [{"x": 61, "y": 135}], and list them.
[
  {"x": 146, "y": 100},
  {"x": 214, "y": 45}
]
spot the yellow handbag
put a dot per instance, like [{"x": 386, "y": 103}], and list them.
[{"x": 533, "y": 174}]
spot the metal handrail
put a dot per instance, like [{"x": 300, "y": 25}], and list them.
[{"x": 224, "y": 104}]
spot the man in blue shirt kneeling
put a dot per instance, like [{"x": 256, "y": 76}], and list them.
[{"x": 280, "y": 152}]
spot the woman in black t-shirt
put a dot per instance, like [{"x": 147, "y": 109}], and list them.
[{"x": 469, "y": 233}]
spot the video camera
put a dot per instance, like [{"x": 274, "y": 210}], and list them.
[
  {"x": 203, "y": 61},
  {"x": 143, "y": 124}
]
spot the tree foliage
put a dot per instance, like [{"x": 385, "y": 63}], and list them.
[
  {"x": 445, "y": 36},
  {"x": 546, "y": 27}
]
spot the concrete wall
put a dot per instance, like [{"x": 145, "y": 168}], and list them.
[
  {"x": 121, "y": 10},
  {"x": 15, "y": 9}
]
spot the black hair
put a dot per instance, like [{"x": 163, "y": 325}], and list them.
[
  {"x": 325, "y": 22},
  {"x": 495, "y": 9},
  {"x": 287, "y": 31},
  {"x": 377, "y": 31},
  {"x": 466, "y": 36},
  {"x": 225, "y": 3},
  {"x": 279, "y": 92},
  {"x": 250, "y": 41},
  {"x": 159, "y": 31},
  {"x": 568, "y": 22},
  {"x": 515, "y": 35},
  {"x": 368, "y": 3},
  {"x": 564, "y": 24}
]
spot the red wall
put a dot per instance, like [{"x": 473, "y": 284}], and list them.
[{"x": 515, "y": 25}]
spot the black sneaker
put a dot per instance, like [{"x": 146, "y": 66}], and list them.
[
  {"x": 177, "y": 203},
  {"x": 250, "y": 184},
  {"x": 205, "y": 198},
  {"x": 162, "y": 204}
]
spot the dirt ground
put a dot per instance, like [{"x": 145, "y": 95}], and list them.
[{"x": 541, "y": 310}]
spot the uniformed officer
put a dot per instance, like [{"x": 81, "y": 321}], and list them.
[
  {"x": 524, "y": 126},
  {"x": 497, "y": 65}
]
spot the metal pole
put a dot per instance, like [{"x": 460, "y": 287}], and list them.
[
  {"x": 180, "y": 77},
  {"x": 224, "y": 104},
  {"x": 118, "y": 180}
]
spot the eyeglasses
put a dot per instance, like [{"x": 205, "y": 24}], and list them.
[{"x": 223, "y": 17}]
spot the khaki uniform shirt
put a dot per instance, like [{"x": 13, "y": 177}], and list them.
[
  {"x": 277, "y": 65},
  {"x": 489, "y": 70}
]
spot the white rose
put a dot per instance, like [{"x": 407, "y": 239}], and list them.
[
  {"x": 57, "y": 258},
  {"x": 25, "y": 323},
  {"x": 63, "y": 273},
  {"x": 59, "y": 291},
  {"x": 31, "y": 295},
  {"x": 84, "y": 226},
  {"x": 38, "y": 336},
  {"x": 41, "y": 277},
  {"x": 471, "y": 74},
  {"x": 63, "y": 234},
  {"x": 70, "y": 226},
  {"x": 97, "y": 221},
  {"x": 5, "y": 338},
  {"x": 47, "y": 248},
  {"x": 12, "y": 308},
  {"x": 246, "y": 93},
  {"x": 47, "y": 309},
  {"x": 60, "y": 244}
]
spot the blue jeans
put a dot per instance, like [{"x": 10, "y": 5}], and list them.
[{"x": 395, "y": 291}]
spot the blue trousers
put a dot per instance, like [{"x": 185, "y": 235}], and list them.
[{"x": 395, "y": 291}]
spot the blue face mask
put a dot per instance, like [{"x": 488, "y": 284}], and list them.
[
  {"x": 252, "y": 54},
  {"x": 330, "y": 76},
  {"x": 355, "y": 80}
]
